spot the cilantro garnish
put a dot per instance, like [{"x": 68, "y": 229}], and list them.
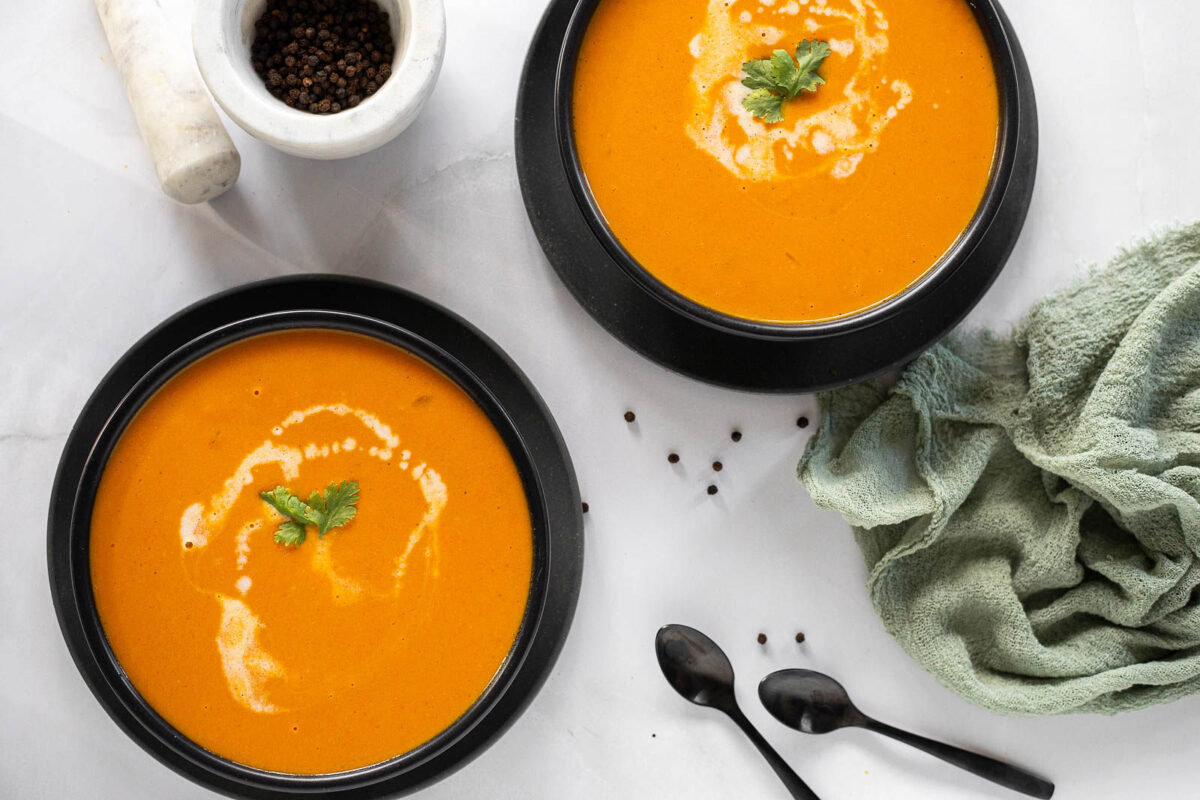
[
  {"x": 777, "y": 79},
  {"x": 332, "y": 510}
]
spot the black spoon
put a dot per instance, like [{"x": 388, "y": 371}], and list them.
[
  {"x": 814, "y": 703},
  {"x": 700, "y": 671}
]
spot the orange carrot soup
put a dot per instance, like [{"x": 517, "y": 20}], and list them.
[
  {"x": 865, "y": 183},
  {"x": 255, "y": 635}
]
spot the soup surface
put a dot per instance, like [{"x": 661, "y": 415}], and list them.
[
  {"x": 855, "y": 195},
  {"x": 347, "y": 649}
]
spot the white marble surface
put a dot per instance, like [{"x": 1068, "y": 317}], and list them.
[{"x": 92, "y": 255}]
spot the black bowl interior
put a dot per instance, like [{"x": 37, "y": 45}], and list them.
[
  {"x": 410, "y": 323},
  {"x": 640, "y": 309}
]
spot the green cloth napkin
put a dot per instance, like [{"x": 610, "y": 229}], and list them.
[{"x": 1028, "y": 506}]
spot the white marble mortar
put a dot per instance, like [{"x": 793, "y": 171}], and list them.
[{"x": 222, "y": 32}]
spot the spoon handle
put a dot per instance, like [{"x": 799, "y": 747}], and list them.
[
  {"x": 987, "y": 768},
  {"x": 791, "y": 780}
]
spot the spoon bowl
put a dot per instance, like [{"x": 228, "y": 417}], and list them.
[
  {"x": 809, "y": 701},
  {"x": 695, "y": 666}
]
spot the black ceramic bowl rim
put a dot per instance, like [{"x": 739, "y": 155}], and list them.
[
  {"x": 1004, "y": 62},
  {"x": 383, "y": 312}
]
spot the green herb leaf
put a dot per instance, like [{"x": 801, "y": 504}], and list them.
[
  {"x": 290, "y": 505},
  {"x": 783, "y": 72},
  {"x": 331, "y": 510},
  {"x": 777, "y": 79},
  {"x": 291, "y": 533},
  {"x": 764, "y": 105},
  {"x": 758, "y": 74},
  {"x": 339, "y": 507},
  {"x": 809, "y": 58}
]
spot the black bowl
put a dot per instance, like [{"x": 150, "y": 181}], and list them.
[
  {"x": 679, "y": 333},
  {"x": 416, "y": 325}
]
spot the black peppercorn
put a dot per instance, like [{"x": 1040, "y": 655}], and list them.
[{"x": 316, "y": 44}]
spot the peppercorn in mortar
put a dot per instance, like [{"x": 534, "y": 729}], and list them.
[{"x": 322, "y": 56}]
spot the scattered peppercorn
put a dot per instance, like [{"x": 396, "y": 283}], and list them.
[
  {"x": 673, "y": 458},
  {"x": 322, "y": 56},
  {"x": 799, "y": 638},
  {"x": 718, "y": 466},
  {"x": 712, "y": 488},
  {"x": 802, "y": 422},
  {"x": 585, "y": 508},
  {"x": 630, "y": 416},
  {"x": 762, "y": 638},
  {"x": 736, "y": 436}
]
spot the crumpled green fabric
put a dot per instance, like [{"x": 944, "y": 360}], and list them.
[{"x": 1028, "y": 505}]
